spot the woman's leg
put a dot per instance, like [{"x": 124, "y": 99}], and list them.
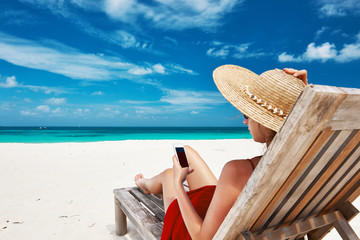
[
  {"x": 161, "y": 184},
  {"x": 202, "y": 174}
]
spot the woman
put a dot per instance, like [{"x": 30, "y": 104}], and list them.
[{"x": 265, "y": 101}]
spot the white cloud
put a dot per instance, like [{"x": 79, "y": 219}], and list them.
[
  {"x": 16, "y": 17},
  {"x": 175, "y": 101},
  {"x": 176, "y": 68},
  {"x": 64, "y": 8},
  {"x": 27, "y": 113},
  {"x": 127, "y": 40},
  {"x": 141, "y": 111},
  {"x": 98, "y": 93},
  {"x": 338, "y": 8},
  {"x": 140, "y": 71},
  {"x": 70, "y": 62},
  {"x": 191, "y": 98},
  {"x": 162, "y": 14},
  {"x": 159, "y": 68},
  {"x": 223, "y": 50},
  {"x": 154, "y": 110},
  {"x": 170, "y": 14},
  {"x": 325, "y": 52},
  {"x": 136, "y": 102},
  {"x": 57, "y": 111},
  {"x": 108, "y": 112},
  {"x": 79, "y": 112},
  {"x": 46, "y": 90},
  {"x": 172, "y": 40},
  {"x": 320, "y": 32},
  {"x": 56, "y": 101},
  {"x": 56, "y": 6},
  {"x": 332, "y": 10},
  {"x": 43, "y": 108},
  {"x": 86, "y": 4},
  {"x": 57, "y": 58},
  {"x": 222, "y": 53},
  {"x": 10, "y": 82},
  {"x": 349, "y": 52},
  {"x": 284, "y": 57},
  {"x": 7, "y": 106}
]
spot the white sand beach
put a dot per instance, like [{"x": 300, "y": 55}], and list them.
[{"x": 64, "y": 190}]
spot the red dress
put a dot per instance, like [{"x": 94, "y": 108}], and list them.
[{"x": 174, "y": 226}]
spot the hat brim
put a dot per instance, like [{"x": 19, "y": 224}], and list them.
[{"x": 231, "y": 80}]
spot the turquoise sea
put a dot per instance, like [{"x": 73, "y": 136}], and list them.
[{"x": 94, "y": 134}]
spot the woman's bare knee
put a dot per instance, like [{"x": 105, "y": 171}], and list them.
[
  {"x": 166, "y": 174},
  {"x": 189, "y": 149},
  {"x": 192, "y": 155}
]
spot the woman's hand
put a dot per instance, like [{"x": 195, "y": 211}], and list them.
[
  {"x": 179, "y": 172},
  {"x": 300, "y": 74}
]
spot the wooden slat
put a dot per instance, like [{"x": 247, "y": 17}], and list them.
[
  {"x": 321, "y": 203},
  {"x": 276, "y": 201},
  {"x": 307, "y": 119},
  {"x": 349, "y": 189},
  {"x": 159, "y": 213},
  {"x": 159, "y": 202},
  {"x": 349, "y": 212},
  {"x": 147, "y": 225},
  {"x": 324, "y": 181},
  {"x": 345, "y": 230},
  {"x": 341, "y": 125},
  {"x": 354, "y": 193},
  {"x": 342, "y": 197},
  {"x": 302, "y": 227},
  {"x": 247, "y": 235},
  {"x": 335, "y": 187},
  {"x": 302, "y": 186},
  {"x": 304, "y": 183},
  {"x": 348, "y": 193}
]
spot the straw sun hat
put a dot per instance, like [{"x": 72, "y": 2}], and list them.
[{"x": 266, "y": 98}]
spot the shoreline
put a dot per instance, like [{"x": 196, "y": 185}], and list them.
[
  {"x": 111, "y": 141},
  {"x": 64, "y": 190},
  {"x": 100, "y": 134}
]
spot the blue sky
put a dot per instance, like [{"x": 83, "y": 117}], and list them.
[{"x": 150, "y": 63}]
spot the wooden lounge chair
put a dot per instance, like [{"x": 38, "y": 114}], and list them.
[
  {"x": 146, "y": 212},
  {"x": 304, "y": 184}
]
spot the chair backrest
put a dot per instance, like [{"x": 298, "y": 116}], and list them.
[{"x": 311, "y": 167}]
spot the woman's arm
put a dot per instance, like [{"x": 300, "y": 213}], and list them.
[
  {"x": 192, "y": 220},
  {"x": 232, "y": 180}
]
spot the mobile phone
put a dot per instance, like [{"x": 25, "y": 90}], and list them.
[{"x": 180, "y": 153}]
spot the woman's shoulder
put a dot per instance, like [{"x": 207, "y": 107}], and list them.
[{"x": 240, "y": 165}]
